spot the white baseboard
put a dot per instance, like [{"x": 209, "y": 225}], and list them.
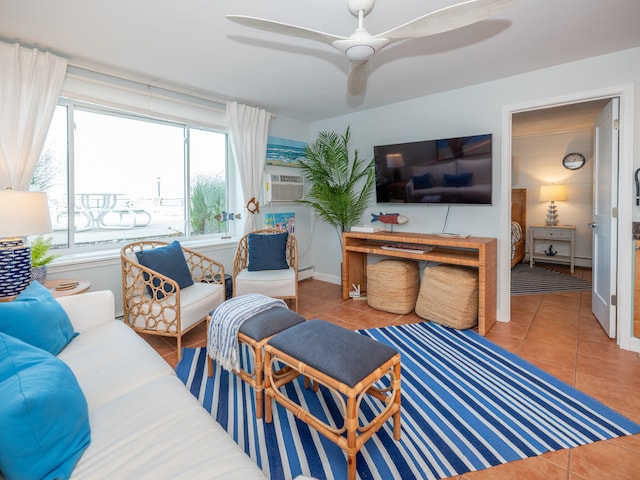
[
  {"x": 306, "y": 272},
  {"x": 327, "y": 278}
]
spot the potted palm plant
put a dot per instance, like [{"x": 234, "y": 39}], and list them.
[
  {"x": 40, "y": 257},
  {"x": 340, "y": 187}
]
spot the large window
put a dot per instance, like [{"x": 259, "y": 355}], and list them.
[{"x": 113, "y": 177}]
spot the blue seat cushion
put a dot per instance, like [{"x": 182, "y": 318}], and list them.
[
  {"x": 43, "y": 413},
  {"x": 342, "y": 354},
  {"x": 35, "y": 317},
  {"x": 169, "y": 261},
  {"x": 269, "y": 322}
]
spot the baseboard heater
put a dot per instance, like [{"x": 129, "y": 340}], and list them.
[{"x": 306, "y": 272}]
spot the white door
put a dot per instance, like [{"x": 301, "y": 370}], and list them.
[{"x": 605, "y": 200}]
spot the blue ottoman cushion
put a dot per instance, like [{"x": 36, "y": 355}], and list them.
[
  {"x": 269, "y": 322},
  {"x": 342, "y": 354}
]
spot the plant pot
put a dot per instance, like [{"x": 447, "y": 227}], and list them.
[{"x": 39, "y": 274}]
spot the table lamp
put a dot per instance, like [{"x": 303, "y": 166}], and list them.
[
  {"x": 395, "y": 162},
  {"x": 21, "y": 214},
  {"x": 552, "y": 193}
]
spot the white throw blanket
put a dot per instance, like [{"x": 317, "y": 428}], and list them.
[{"x": 222, "y": 338}]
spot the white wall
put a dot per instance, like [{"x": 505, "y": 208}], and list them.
[
  {"x": 284, "y": 127},
  {"x": 480, "y": 109}
]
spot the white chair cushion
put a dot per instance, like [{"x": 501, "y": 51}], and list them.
[
  {"x": 272, "y": 283},
  {"x": 196, "y": 302}
]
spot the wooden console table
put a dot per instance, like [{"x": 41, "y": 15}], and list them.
[{"x": 479, "y": 252}]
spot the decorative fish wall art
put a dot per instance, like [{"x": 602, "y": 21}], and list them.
[{"x": 224, "y": 216}]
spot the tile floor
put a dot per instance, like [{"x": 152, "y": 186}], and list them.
[{"x": 556, "y": 332}]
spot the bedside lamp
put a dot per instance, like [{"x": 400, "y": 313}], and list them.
[
  {"x": 21, "y": 214},
  {"x": 395, "y": 162},
  {"x": 552, "y": 193}
]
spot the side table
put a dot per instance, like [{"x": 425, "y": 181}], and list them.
[
  {"x": 542, "y": 237},
  {"x": 63, "y": 288}
]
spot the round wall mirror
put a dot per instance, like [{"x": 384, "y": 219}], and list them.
[{"x": 573, "y": 161}]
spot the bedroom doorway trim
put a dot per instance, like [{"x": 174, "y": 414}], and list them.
[{"x": 625, "y": 93}]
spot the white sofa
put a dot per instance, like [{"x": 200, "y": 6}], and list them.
[
  {"x": 440, "y": 181},
  {"x": 144, "y": 423}
]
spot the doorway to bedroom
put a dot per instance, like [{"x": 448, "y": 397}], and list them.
[
  {"x": 540, "y": 140},
  {"x": 619, "y": 212}
]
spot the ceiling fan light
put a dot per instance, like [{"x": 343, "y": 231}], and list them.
[{"x": 360, "y": 53}]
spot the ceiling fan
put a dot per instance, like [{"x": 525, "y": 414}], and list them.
[{"x": 360, "y": 46}]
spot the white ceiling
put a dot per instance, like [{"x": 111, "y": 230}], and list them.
[{"x": 189, "y": 43}]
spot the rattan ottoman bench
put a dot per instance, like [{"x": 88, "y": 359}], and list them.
[
  {"x": 347, "y": 363},
  {"x": 254, "y": 333}
]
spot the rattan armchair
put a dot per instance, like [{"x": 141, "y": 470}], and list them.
[
  {"x": 273, "y": 283},
  {"x": 180, "y": 309}
]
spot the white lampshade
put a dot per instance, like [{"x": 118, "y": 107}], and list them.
[
  {"x": 395, "y": 160},
  {"x": 553, "y": 193},
  {"x": 23, "y": 213}
]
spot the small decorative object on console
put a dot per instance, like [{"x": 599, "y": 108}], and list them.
[
  {"x": 367, "y": 228},
  {"x": 390, "y": 218}
]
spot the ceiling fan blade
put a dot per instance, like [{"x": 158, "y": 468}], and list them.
[
  {"x": 357, "y": 81},
  {"x": 284, "y": 28},
  {"x": 445, "y": 19}
]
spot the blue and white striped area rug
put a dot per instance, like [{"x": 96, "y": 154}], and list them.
[
  {"x": 526, "y": 280},
  {"x": 466, "y": 405}
]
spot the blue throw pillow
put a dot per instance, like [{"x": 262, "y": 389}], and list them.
[
  {"x": 168, "y": 261},
  {"x": 422, "y": 181},
  {"x": 267, "y": 251},
  {"x": 43, "y": 413},
  {"x": 35, "y": 317},
  {"x": 461, "y": 180}
]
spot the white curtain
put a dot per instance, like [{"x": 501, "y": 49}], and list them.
[
  {"x": 249, "y": 127},
  {"x": 30, "y": 84}
]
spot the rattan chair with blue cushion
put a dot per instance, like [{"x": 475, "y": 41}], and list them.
[
  {"x": 266, "y": 262},
  {"x": 167, "y": 289}
]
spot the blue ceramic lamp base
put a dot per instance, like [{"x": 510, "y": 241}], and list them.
[{"x": 15, "y": 267}]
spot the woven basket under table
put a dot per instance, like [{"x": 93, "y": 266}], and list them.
[
  {"x": 449, "y": 296},
  {"x": 393, "y": 285}
]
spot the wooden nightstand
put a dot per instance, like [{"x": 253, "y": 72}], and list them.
[{"x": 543, "y": 237}]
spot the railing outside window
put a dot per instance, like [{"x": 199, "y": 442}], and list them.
[{"x": 113, "y": 177}]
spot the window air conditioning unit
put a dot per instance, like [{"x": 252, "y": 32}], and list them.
[{"x": 283, "y": 188}]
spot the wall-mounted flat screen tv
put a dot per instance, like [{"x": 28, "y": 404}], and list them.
[{"x": 445, "y": 171}]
